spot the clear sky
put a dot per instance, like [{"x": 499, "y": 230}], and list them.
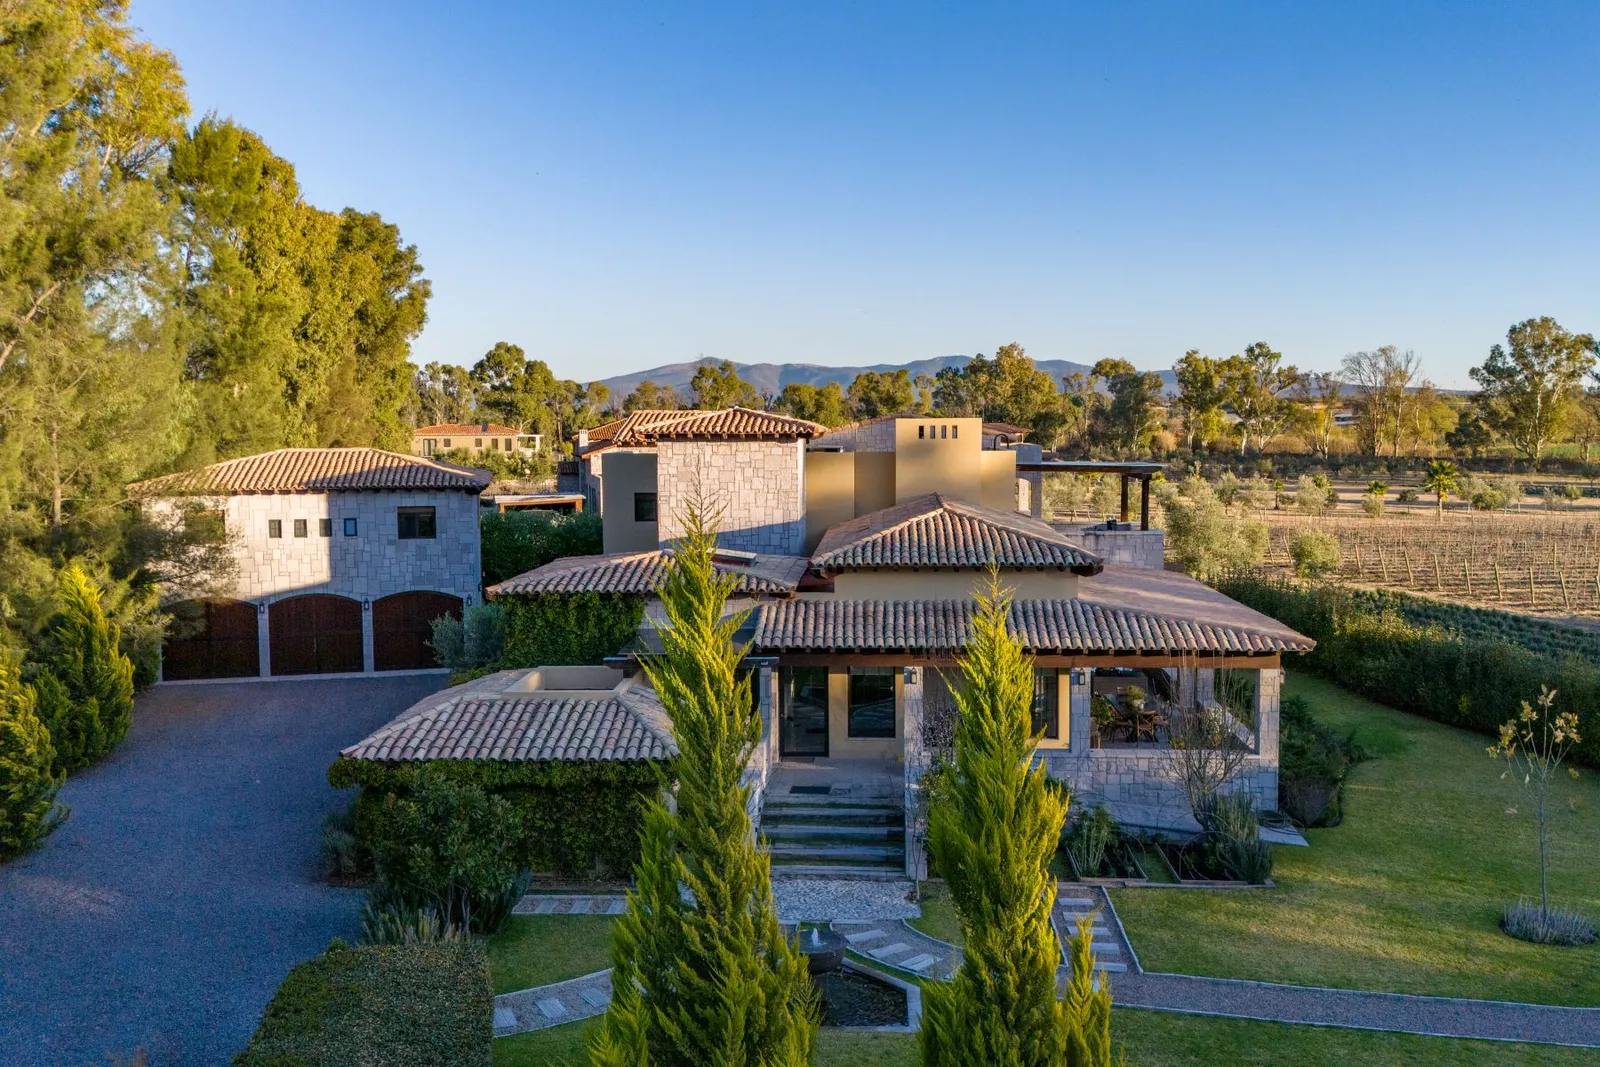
[{"x": 617, "y": 185}]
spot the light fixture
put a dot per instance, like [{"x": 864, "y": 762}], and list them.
[{"x": 366, "y": 605}]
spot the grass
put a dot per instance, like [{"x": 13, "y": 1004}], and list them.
[
  {"x": 939, "y": 917},
  {"x": 1151, "y": 1039},
  {"x": 536, "y": 950},
  {"x": 1405, "y": 896}
]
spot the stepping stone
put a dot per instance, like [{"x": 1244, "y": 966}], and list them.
[
  {"x": 864, "y": 936},
  {"x": 595, "y": 998},
  {"x": 1106, "y": 948},
  {"x": 1076, "y": 904},
  {"x": 505, "y": 1019},
  {"x": 552, "y": 1008},
  {"x": 580, "y": 906},
  {"x": 1115, "y": 968},
  {"x": 617, "y": 906},
  {"x": 918, "y": 963},
  {"x": 897, "y": 949},
  {"x": 546, "y": 906}
]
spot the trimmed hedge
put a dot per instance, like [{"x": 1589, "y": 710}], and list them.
[
  {"x": 578, "y": 819},
  {"x": 1463, "y": 681},
  {"x": 519, "y": 541},
  {"x": 380, "y": 1006},
  {"x": 556, "y": 629}
]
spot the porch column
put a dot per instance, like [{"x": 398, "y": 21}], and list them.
[
  {"x": 1078, "y": 692},
  {"x": 264, "y": 640},
  {"x": 1205, "y": 686},
  {"x": 368, "y": 662},
  {"x": 916, "y": 762},
  {"x": 1269, "y": 686},
  {"x": 1124, "y": 515}
]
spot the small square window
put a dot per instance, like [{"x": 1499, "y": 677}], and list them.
[
  {"x": 349, "y": 527},
  {"x": 274, "y": 527},
  {"x": 644, "y": 507},
  {"x": 477, "y": 442},
  {"x": 447, "y": 444},
  {"x": 300, "y": 527},
  {"x": 417, "y": 524},
  {"x": 324, "y": 527}
]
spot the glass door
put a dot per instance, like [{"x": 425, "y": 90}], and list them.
[{"x": 803, "y": 715}]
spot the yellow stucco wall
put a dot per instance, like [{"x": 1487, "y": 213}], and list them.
[
  {"x": 830, "y": 492},
  {"x": 999, "y": 480},
  {"x": 875, "y": 474},
  {"x": 935, "y": 455},
  {"x": 627, "y": 473},
  {"x": 840, "y": 743},
  {"x": 1063, "y": 713}
]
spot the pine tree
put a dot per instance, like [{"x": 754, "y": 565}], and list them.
[
  {"x": 28, "y": 784},
  {"x": 87, "y": 684},
  {"x": 704, "y": 975},
  {"x": 993, "y": 836}
]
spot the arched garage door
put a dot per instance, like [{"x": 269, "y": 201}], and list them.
[
  {"x": 315, "y": 634},
  {"x": 211, "y": 639},
  {"x": 401, "y": 630}
]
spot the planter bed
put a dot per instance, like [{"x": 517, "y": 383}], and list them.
[
  {"x": 1121, "y": 866},
  {"x": 1186, "y": 860}
]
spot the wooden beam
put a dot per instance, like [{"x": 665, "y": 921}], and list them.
[{"x": 1265, "y": 661}]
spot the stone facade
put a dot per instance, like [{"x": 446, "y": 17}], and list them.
[
  {"x": 759, "y": 487},
  {"x": 874, "y": 436},
  {"x": 1121, "y": 548}
]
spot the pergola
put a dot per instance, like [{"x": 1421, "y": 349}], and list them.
[{"x": 1128, "y": 471}]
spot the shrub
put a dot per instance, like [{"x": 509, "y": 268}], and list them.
[
  {"x": 1206, "y": 537},
  {"x": 519, "y": 541},
  {"x": 1527, "y": 921},
  {"x": 553, "y": 629},
  {"x": 1233, "y": 842},
  {"x": 1315, "y": 553},
  {"x": 1312, "y": 763},
  {"x": 397, "y": 924},
  {"x": 344, "y": 858},
  {"x": 1313, "y": 497},
  {"x": 28, "y": 781},
  {"x": 1372, "y": 504},
  {"x": 1406, "y": 496},
  {"x": 446, "y": 846},
  {"x": 422, "y": 1005},
  {"x": 85, "y": 689},
  {"x": 475, "y": 641},
  {"x": 1091, "y": 835}
]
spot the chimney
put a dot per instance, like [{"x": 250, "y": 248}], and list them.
[{"x": 485, "y": 427}]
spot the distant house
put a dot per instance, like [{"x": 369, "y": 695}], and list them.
[
  {"x": 474, "y": 437},
  {"x": 341, "y": 558}
]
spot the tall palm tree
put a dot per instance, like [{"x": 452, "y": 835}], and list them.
[{"x": 1442, "y": 480}]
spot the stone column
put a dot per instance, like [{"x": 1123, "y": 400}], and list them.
[
  {"x": 1078, "y": 693},
  {"x": 264, "y": 640},
  {"x": 1269, "y": 686},
  {"x": 367, "y": 659},
  {"x": 915, "y": 754},
  {"x": 1205, "y": 686}
]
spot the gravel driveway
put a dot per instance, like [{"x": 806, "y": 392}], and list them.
[{"x": 185, "y": 885}]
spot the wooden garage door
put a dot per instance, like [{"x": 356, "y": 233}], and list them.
[
  {"x": 401, "y": 630},
  {"x": 315, "y": 634},
  {"x": 211, "y": 639}
]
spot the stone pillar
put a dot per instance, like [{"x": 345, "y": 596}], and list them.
[
  {"x": 1269, "y": 686},
  {"x": 1078, "y": 693},
  {"x": 1205, "y": 686},
  {"x": 915, "y": 754},
  {"x": 264, "y": 640},
  {"x": 367, "y": 659}
]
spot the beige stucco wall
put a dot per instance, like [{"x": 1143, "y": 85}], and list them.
[
  {"x": 840, "y": 743},
  {"x": 830, "y": 492},
  {"x": 627, "y": 473},
  {"x": 874, "y": 481},
  {"x": 948, "y": 585},
  {"x": 998, "y": 480},
  {"x": 946, "y": 459}
]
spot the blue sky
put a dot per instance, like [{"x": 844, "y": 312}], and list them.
[{"x": 617, "y": 185}]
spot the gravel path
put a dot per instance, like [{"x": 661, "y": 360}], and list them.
[
  {"x": 820, "y": 900},
  {"x": 185, "y": 884}
]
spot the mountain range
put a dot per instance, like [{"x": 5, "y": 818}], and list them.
[{"x": 770, "y": 378}]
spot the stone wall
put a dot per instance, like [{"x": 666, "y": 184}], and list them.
[
  {"x": 1141, "y": 777},
  {"x": 874, "y": 436},
  {"x": 759, "y": 487},
  {"x": 1121, "y": 548}
]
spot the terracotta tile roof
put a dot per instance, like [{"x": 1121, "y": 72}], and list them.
[
  {"x": 1005, "y": 429},
  {"x": 649, "y": 426},
  {"x": 643, "y": 573},
  {"x": 466, "y": 429},
  {"x": 934, "y": 531},
  {"x": 479, "y": 722},
  {"x": 317, "y": 470},
  {"x": 944, "y": 626}
]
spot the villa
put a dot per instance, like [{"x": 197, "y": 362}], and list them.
[{"x": 858, "y": 551}]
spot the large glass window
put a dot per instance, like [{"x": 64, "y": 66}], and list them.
[
  {"x": 872, "y": 701},
  {"x": 417, "y": 524},
  {"x": 644, "y": 507},
  {"x": 1046, "y": 703},
  {"x": 804, "y": 726}
]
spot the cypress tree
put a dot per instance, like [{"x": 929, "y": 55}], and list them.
[
  {"x": 28, "y": 784},
  {"x": 992, "y": 836},
  {"x": 86, "y": 689},
  {"x": 703, "y": 973}
]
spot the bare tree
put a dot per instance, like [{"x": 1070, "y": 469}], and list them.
[
  {"x": 1382, "y": 380},
  {"x": 1209, "y": 740}
]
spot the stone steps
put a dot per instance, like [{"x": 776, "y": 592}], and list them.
[
  {"x": 812, "y": 832},
  {"x": 859, "y": 872},
  {"x": 1105, "y": 940}
]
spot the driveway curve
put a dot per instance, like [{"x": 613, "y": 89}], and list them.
[{"x": 186, "y": 883}]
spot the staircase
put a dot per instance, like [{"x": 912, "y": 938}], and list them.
[{"x": 823, "y": 836}]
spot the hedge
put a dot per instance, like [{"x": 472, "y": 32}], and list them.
[
  {"x": 553, "y": 629},
  {"x": 579, "y": 819},
  {"x": 519, "y": 541},
  {"x": 425, "y": 1005},
  {"x": 1427, "y": 670}
]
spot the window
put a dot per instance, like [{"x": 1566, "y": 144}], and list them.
[
  {"x": 922, "y": 433},
  {"x": 644, "y": 507},
  {"x": 429, "y": 444},
  {"x": 477, "y": 442},
  {"x": 1046, "y": 705},
  {"x": 349, "y": 527},
  {"x": 274, "y": 527},
  {"x": 954, "y": 429},
  {"x": 447, "y": 444},
  {"x": 872, "y": 701},
  {"x": 299, "y": 527},
  {"x": 417, "y": 524},
  {"x": 324, "y": 527},
  {"x": 944, "y": 431}
]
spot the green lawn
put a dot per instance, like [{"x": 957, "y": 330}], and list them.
[
  {"x": 938, "y": 913},
  {"x": 1151, "y": 1039},
  {"x": 1405, "y": 895},
  {"x": 540, "y": 949}
]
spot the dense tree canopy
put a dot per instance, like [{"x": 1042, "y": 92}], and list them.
[{"x": 1528, "y": 387}]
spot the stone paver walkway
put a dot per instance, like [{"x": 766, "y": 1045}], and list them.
[
  {"x": 571, "y": 904},
  {"x": 552, "y": 1005},
  {"x": 903, "y": 947},
  {"x": 1112, "y": 953}
]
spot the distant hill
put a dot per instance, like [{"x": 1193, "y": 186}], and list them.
[{"x": 772, "y": 377}]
